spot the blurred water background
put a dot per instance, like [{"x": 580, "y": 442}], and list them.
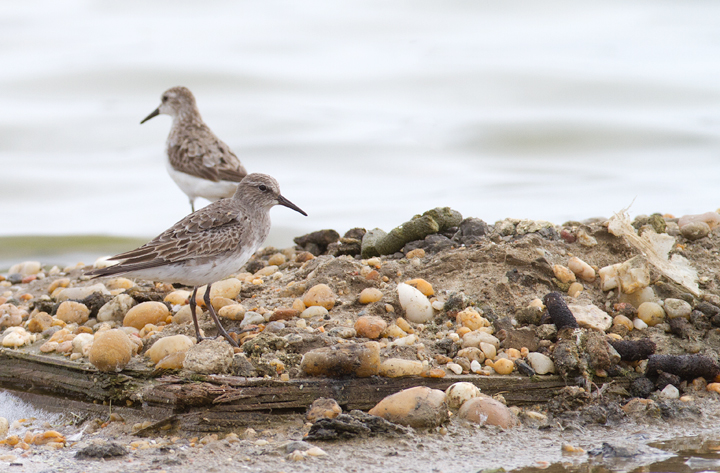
[{"x": 366, "y": 112}]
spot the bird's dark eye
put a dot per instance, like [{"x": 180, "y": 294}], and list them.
[
  {"x": 262, "y": 187},
  {"x": 164, "y": 99}
]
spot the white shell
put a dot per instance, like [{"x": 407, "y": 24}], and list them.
[{"x": 458, "y": 393}]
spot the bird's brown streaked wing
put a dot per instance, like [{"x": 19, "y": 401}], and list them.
[{"x": 203, "y": 155}]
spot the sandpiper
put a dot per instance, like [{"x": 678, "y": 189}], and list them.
[
  {"x": 198, "y": 161},
  {"x": 207, "y": 245}
]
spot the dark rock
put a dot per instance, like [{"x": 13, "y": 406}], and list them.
[
  {"x": 600, "y": 354},
  {"x": 610, "y": 451},
  {"x": 355, "y": 424},
  {"x": 321, "y": 239},
  {"x": 524, "y": 368},
  {"x": 242, "y": 367},
  {"x": 471, "y": 231},
  {"x": 447, "y": 347},
  {"x": 15, "y": 278},
  {"x": 708, "y": 308},
  {"x": 355, "y": 233},
  {"x": 679, "y": 326},
  {"x": 432, "y": 244},
  {"x": 345, "y": 246},
  {"x": 528, "y": 316},
  {"x": 370, "y": 243},
  {"x": 146, "y": 294},
  {"x": 566, "y": 358},
  {"x": 107, "y": 450},
  {"x": 641, "y": 387},
  {"x": 666, "y": 378},
  {"x": 94, "y": 301},
  {"x": 254, "y": 265},
  {"x": 559, "y": 311}
]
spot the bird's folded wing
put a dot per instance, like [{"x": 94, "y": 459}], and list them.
[{"x": 204, "y": 155}]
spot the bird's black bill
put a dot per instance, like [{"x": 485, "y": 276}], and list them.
[
  {"x": 283, "y": 201},
  {"x": 154, "y": 113}
]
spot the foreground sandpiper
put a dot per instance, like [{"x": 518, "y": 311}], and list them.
[
  {"x": 208, "y": 245},
  {"x": 198, "y": 161}
]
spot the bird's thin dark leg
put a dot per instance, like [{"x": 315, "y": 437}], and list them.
[
  {"x": 216, "y": 319},
  {"x": 193, "y": 305},
  {"x": 192, "y": 206}
]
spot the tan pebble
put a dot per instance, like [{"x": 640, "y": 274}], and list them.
[
  {"x": 398, "y": 367},
  {"x": 323, "y": 408},
  {"x": 393, "y": 331},
  {"x": 284, "y": 314},
  {"x": 61, "y": 335},
  {"x": 416, "y": 253},
  {"x": 485, "y": 410},
  {"x": 284, "y": 377},
  {"x": 72, "y": 312},
  {"x": 277, "y": 259},
  {"x": 524, "y": 351},
  {"x": 434, "y": 373},
  {"x": 169, "y": 345},
  {"x": 581, "y": 269},
  {"x": 361, "y": 360},
  {"x": 422, "y": 286},
  {"x": 151, "y": 312},
  {"x": 47, "y": 437},
  {"x": 220, "y": 302},
  {"x": 304, "y": 256},
  {"x": 567, "y": 448},
  {"x": 370, "y": 295},
  {"x": 298, "y": 304},
  {"x": 513, "y": 353},
  {"x": 266, "y": 271},
  {"x": 372, "y": 275},
  {"x": 320, "y": 295},
  {"x": 179, "y": 297},
  {"x": 404, "y": 325},
  {"x": 575, "y": 289},
  {"x": 49, "y": 347},
  {"x": 120, "y": 283},
  {"x": 418, "y": 407},
  {"x": 713, "y": 387},
  {"x": 563, "y": 274},
  {"x": 369, "y": 326},
  {"x": 462, "y": 331},
  {"x": 472, "y": 354},
  {"x": 173, "y": 361},
  {"x": 39, "y": 322},
  {"x": 614, "y": 336},
  {"x": 111, "y": 350},
  {"x": 228, "y": 288},
  {"x": 58, "y": 283},
  {"x": 389, "y": 308},
  {"x": 503, "y": 366},
  {"x": 471, "y": 319},
  {"x": 624, "y": 321},
  {"x": 651, "y": 313},
  {"x": 232, "y": 312},
  {"x": 489, "y": 350},
  {"x": 374, "y": 262},
  {"x": 314, "y": 311}
]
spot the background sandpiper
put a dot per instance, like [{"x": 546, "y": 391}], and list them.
[
  {"x": 198, "y": 161},
  {"x": 207, "y": 245}
]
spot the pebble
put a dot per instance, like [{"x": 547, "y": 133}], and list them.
[
  {"x": 26, "y": 268},
  {"x": 651, "y": 313},
  {"x": 393, "y": 331},
  {"x": 370, "y": 326},
  {"x": 116, "y": 308},
  {"x": 39, "y": 322},
  {"x": 585, "y": 239},
  {"x": 229, "y": 288},
  {"x": 72, "y": 312},
  {"x": 695, "y": 230},
  {"x": 361, "y": 360},
  {"x": 404, "y": 325},
  {"x": 503, "y": 366},
  {"x": 277, "y": 259},
  {"x": 472, "y": 354},
  {"x": 184, "y": 316},
  {"x": 455, "y": 368},
  {"x": 111, "y": 350},
  {"x": 712, "y": 219},
  {"x": 542, "y": 364},
  {"x": 15, "y": 337},
  {"x": 80, "y": 293},
  {"x": 320, "y": 295},
  {"x": 677, "y": 308},
  {"x": 456, "y": 394},
  {"x": 284, "y": 314},
  {"x": 485, "y": 410},
  {"x": 416, "y": 305},
  {"x": 489, "y": 350},
  {"x": 150, "y": 312},
  {"x": 418, "y": 407},
  {"x": 370, "y": 295},
  {"x": 82, "y": 343},
  {"x": 252, "y": 318},
  {"x": 633, "y": 274},
  {"x": 623, "y": 321},
  {"x": 563, "y": 274},
  {"x": 314, "y": 311},
  {"x": 476, "y": 337},
  {"x": 422, "y": 286},
  {"x": 646, "y": 294},
  {"x": 471, "y": 319},
  {"x": 168, "y": 346},
  {"x": 232, "y": 312},
  {"x": 62, "y": 283},
  {"x": 10, "y": 315},
  {"x": 416, "y": 253},
  {"x": 591, "y": 316},
  {"x": 211, "y": 356},
  {"x": 639, "y": 324},
  {"x": 179, "y": 297},
  {"x": 266, "y": 271},
  {"x": 323, "y": 408},
  {"x": 575, "y": 289},
  {"x": 670, "y": 392},
  {"x": 581, "y": 269},
  {"x": 398, "y": 367},
  {"x": 120, "y": 283}
]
